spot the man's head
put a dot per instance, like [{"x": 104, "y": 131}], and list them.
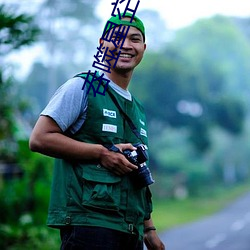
[
  {"x": 133, "y": 45},
  {"x": 126, "y": 21}
]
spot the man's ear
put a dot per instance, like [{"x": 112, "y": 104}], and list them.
[{"x": 101, "y": 41}]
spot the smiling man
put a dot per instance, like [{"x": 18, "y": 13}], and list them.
[
  {"x": 131, "y": 52},
  {"x": 95, "y": 198}
]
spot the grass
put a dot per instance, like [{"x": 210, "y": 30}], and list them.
[{"x": 170, "y": 213}]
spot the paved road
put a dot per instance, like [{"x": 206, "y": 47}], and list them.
[{"x": 226, "y": 230}]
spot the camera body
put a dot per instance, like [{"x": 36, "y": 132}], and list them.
[{"x": 142, "y": 177}]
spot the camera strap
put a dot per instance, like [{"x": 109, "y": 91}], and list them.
[{"x": 125, "y": 116}]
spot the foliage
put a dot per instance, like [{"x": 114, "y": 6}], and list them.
[
  {"x": 67, "y": 43},
  {"x": 243, "y": 24},
  {"x": 24, "y": 202},
  {"x": 69, "y": 34},
  {"x": 15, "y": 30},
  {"x": 219, "y": 49},
  {"x": 38, "y": 80},
  {"x": 24, "y": 235},
  {"x": 31, "y": 192},
  {"x": 8, "y": 105},
  {"x": 229, "y": 113},
  {"x": 194, "y": 91},
  {"x": 73, "y": 39}
]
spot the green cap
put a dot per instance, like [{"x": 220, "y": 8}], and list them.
[{"x": 136, "y": 22}]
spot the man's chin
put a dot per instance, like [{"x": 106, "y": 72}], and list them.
[{"x": 123, "y": 69}]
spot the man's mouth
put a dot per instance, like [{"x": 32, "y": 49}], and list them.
[{"x": 123, "y": 55}]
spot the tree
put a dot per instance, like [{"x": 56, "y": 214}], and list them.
[
  {"x": 16, "y": 31},
  {"x": 68, "y": 33},
  {"x": 186, "y": 83},
  {"x": 196, "y": 94}
]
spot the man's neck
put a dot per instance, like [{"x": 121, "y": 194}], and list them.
[{"x": 121, "y": 79}]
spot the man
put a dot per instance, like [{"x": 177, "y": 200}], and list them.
[{"x": 95, "y": 202}]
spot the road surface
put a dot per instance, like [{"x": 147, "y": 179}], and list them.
[{"x": 227, "y": 230}]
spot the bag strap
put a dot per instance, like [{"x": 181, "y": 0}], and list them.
[{"x": 125, "y": 116}]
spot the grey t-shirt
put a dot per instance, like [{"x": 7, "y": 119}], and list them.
[{"x": 68, "y": 106}]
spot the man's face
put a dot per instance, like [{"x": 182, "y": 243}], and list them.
[{"x": 131, "y": 52}]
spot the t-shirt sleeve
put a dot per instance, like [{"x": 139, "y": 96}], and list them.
[{"x": 68, "y": 105}]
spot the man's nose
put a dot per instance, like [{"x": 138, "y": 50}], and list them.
[{"x": 126, "y": 44}]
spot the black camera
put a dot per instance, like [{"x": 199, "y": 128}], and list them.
[{"x": 142, "y": 176}]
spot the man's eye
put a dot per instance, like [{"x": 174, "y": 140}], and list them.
[
  {"x": 136, "y": 39},
  {"x": 116, "y": 38}
]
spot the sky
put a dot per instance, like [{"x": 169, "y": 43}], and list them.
[
  {"x": 176, "y": 14},
  {"x": 181, "y": 13}
]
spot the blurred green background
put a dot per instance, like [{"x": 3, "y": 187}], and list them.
[{"x": 194, "y": 83}]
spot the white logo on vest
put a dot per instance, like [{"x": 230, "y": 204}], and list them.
[
  {"x": 143, "y": 132},
  {"x": 109, "y": 128},
  {"x": 109, "y": 113}
]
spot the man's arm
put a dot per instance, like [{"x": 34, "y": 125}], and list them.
[
  {"x": 151, "y": 239},
  {"x": 47, "y": 138}
]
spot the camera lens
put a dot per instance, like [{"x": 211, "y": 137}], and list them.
[{"x": 144, "y": 176}]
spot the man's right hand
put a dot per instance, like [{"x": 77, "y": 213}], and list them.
[{"x": 115, "y": 162}]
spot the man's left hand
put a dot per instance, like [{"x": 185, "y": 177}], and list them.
[{"x": 152, "y": 241}]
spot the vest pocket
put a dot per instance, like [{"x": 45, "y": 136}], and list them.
[{"x": 101, "y": 188}]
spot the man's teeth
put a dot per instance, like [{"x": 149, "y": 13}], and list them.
[{"x": 125, "y": 55}]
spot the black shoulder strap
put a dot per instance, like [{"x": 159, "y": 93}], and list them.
[{"x": 125, "y": 116}]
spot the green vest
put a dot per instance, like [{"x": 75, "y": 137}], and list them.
[{"x": 86, "y": 193}]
